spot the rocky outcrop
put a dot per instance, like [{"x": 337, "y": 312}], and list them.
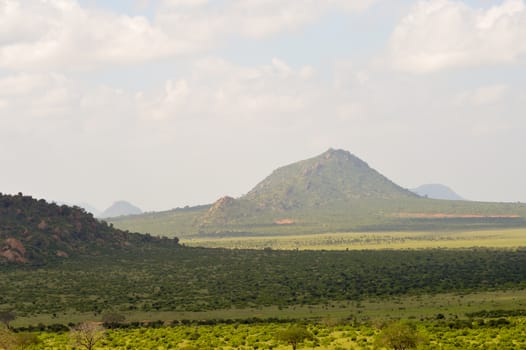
[{"x": 13, "y": 250}]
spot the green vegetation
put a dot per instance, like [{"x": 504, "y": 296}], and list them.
[
  {"x": 446, "y": 334},
  {"x": 334, "y": 176},
  {"x": 294, "y": 335},
  {"x": 422, "y": 306},
  {"x": 10, "y": 340},
  {"x": 86, "y": 335},
  {"x": 197, "y": 279},
  {"x": 399, "y": 336},
  {"x": 59, "y": 265},
  {"x": 171, "y": 223},
  {"x": 368, "y": 215}
]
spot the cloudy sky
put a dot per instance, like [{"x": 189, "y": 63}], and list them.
[{"x": 172, "y": 102}]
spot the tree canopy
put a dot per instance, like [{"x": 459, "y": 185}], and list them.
[{"x": 294, "y": 335}]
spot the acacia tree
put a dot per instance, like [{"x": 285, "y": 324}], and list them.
[
  {"x": 110, "y": 319},
  {"x": 399, "y": 336},
  {"x": 294, "y": 336},
  {"x": 6, "y": 317},
  {"x": 7, "y": 339},
  {"x": 87, "y": 335}
]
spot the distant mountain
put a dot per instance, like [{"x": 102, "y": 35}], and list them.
[
  {"x": 436, "y": 191},
  {"x": 120, "y": 208},
  {"x": 34, "y": 231}
]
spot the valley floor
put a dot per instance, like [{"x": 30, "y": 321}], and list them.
[
  {"x": 492, "y": 238},
  {"x": 409, "y": 307}
]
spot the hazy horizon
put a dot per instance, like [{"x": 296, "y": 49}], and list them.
[{"x": 167, "y": 103}]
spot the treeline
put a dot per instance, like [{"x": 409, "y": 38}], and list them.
[
  {"x": 198, "y": 279},
  {"x": 506, "y": 333},
  {"x": 497, "y": 313}
]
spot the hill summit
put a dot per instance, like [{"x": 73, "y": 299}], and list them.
[{"x": 333, "y": 176}]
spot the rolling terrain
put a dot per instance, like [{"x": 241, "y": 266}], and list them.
[
  {"x": 59, "y": 264},
  {"x": 332, "y": 192}
]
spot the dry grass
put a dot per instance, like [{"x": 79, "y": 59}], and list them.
[{"x": 498, "y": 238}]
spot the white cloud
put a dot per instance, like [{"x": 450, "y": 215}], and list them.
[
  {"x": 218, "y": 115},
  {"x": 55, "y": 106},
  {"x": 184, "y": 3},
  {"x": 442, "y": 34},
  {"x": 219, "y": 90},
  {"x": 60, "y": 34},
  {"x": 247, "y": 18},
  {"x": 484, "y": 95},
  {"x": 36, "y": 97},
  {"x": 169, "y": 103}
]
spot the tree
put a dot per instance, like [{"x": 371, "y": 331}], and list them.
[
  {"x": 112, "y": 318},
  {"x": 294, "y": 335},
  {"x": 7, "y": 339},
  {"x": 87, "y": 335},
  {"x": 11, "y": 341},
  {"x": 6, "y": 317},
  {"x": 399, "y": 336}
]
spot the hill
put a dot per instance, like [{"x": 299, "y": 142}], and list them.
[
  {"x": 120, "y": 208},
  {"x": 332, "y": 179},
  {"x": 35, "y": 231},
  {"x": 332, "y": 192},
  {"x": 436, "y": 191},
  {"x": 333, "y": 176}
]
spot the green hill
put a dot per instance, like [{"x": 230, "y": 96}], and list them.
[
  {"x": 333, "y": 176},
  {"x": 34, "y": 231},
  {"x": 335, "y": 179},
  {"x": 335, "y": 191}
]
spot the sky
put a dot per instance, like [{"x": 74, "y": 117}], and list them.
[{"x": 167, "y": 103}]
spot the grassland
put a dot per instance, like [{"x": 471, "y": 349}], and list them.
[
  {"x": 494, "y": 238},
  {"x": 221, "y": 283},
  {"x": 416, "y": 307}
]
